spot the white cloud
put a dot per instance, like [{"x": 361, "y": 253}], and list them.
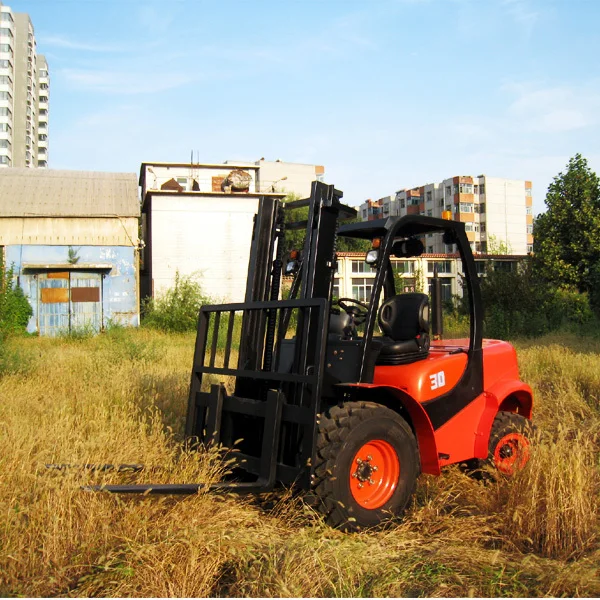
[
  {"x": 555, "y": 109},
  {"x": 127, "y": 83},
  {"x": 57, "y": 41}
]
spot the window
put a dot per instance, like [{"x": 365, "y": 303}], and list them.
[
  {"x": 362, "y": 288},
  {"x": 406, "y": 285},
  {"x": 480, "y": 267},
  {"x": 5, "y": 96},
  {"x": 5, "y": 79},
  {"x": 5, "y": 64},
  {"x": 364, "y": 213},
  {"x": 5, "y": 112},
  {"x": 43, "y": 112},
  {"x": 504, "y": 266},
  {"x": 403, "y": 266},
  {"x": 336, "y": 288},
  {"x": 4, "y": 160},
  {"x": 448, "y": 190},
  {"x": 529, "y": 228},
  {"x": 43, "y": 98},
  {"x": 42, "y": 137},
  {"x": 482, "y": 227},
  {"x": 402, "y": 203},
  {"x": 6, "y": 16},
  {"x": 481, "y": 247},
  {"x": 480, "y": 208},
  {"x": 429, "y": 249},
  {"x": 482, "y": 188},
  {"x": 182, "y": 181},
  {"x": 528, "y": 210},
  {"x": 429, "y": 212},
  {"x": 360, "y": 266},
  {"x": 449, "y": 248},
  {"x": 466, "y": 188},
  {"x": 5, "y": 31},
  {"x": 468, "y": 226},
  {"x": 43, "y": 86},
  {"x": 455, "y": 188},
  {"x": 6, "y": 48},
  {"x": 448, "y": 207},
  {"x": 476, "y": 189},
  {"x": 466, "y": 207},
  {"x": 441, "y": 202},
  {"x": 43, "y": 73},
  {"x": 446, "y": 286},
  {"x": 320, "y": 177},
  {"x": 429, "y": 198},
  {"x": 528, "y": 192},
  {"x": 414, "y": 201},
  {"x": 529, "y": 248},
  {"x": 443, "y": 266},
  {"x": 5, "y": 127},
  {"x": 42, "y": 163},
  {"x": 4, "y": 144}
]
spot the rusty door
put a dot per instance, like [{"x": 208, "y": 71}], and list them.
[{"x": 69, "y": 301}]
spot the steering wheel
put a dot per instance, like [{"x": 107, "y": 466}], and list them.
[{"x": 358, "y": 316}]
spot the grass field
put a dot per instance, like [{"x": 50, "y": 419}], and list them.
[{"x": 121, "y": 397}]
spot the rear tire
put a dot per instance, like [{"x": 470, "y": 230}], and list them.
[
  {"x": 366, "y": 466},
  {"x": 510, "y": 443}
]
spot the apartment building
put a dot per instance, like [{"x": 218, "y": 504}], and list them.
[
  {"x": 24, "y": 94},
  {"x": 497, "y": 212},
  {"x": 288, "y": 177}
]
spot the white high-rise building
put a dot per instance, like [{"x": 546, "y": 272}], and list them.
[
  {"x": 497, "y": 212},
  {"x": 24, "y": 93}
]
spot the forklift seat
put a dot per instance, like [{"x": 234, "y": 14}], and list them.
[{"x": 404, "y": 321}]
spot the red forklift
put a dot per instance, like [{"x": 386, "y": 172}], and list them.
[{"x": 349, "y": 400}]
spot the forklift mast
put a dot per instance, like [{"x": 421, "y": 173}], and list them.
[{"x": 277, "y": 382}]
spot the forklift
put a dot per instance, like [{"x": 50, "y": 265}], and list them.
[{"x": 349, "y": 400}]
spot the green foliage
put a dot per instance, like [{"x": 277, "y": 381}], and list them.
[
  {"x": 15, "y": 310},
  {"x": 497, "y": 246},
  {"x": 516, "y": 303},
  {"x": 177, "y": 309},
  {"x": 294, "y": 239},
  {"x": 567, "y": 235}
]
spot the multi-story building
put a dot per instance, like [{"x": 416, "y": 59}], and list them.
[
  {"x": 24, "y": 91},
  {"x": 497, "y": 212}
]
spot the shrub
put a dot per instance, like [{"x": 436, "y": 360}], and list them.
[
  {"x": 15, "y": 310},
  {"x": 177, "y": 309}
]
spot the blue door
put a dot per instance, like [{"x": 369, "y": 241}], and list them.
[{"x": 69, "y": 301}]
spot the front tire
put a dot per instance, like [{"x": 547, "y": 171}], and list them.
[
  {"x": 367, "y": 463},
  {"x": 510, "y": 443}
]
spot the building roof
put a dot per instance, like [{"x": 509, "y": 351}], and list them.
[{"x": 54, "y": 193}]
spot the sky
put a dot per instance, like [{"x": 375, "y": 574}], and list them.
[{"x": 386, "y": 94}]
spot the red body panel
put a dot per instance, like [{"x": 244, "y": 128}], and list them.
[{"x": 466, "y": 434}]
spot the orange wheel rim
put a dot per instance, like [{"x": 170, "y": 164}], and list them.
[
  {"x": 374, "y": 474},
  {"x": 511, "y": 453}
]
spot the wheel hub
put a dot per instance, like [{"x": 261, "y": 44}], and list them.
[
  {"x": 374, "y": 474},
  {"x": 364, "y": 471}
]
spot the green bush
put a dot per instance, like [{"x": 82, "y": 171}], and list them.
[
  {"x": 176, "y": 310},
  {"x": 15, "y": 310}
]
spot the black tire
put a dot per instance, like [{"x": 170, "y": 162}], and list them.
[
  {"x": 342, "y": 433},
  {"x": 510, "y": 441}
]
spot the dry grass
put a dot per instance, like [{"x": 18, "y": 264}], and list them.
[{"x": 121, "y": 398}]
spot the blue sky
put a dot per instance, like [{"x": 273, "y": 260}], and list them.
[{"x": 386, "y": 94}]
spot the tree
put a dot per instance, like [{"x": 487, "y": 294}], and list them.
[
  {"x": 567, "y": 235},
  {"x": 294, "y": 239}
]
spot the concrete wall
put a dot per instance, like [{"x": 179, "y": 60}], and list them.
[
  {"x": 203, "y": 236},
  {"x": 120, "y": 299},
  {"x": 299, "y": 177}
]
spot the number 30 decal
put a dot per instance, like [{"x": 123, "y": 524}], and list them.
[{"x": 437, "y": 380}]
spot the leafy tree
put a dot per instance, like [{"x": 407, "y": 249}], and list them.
[
  {"x": 294, "y": 239},
  {"x": 497, "y": 246},
  {"x": 15, "y": 310},
  {"x": 567, "y": 235}
]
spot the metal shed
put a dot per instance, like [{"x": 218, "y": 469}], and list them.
[{"x": 71, "y": 238}]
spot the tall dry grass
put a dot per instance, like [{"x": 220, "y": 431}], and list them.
[{"x": 121, "y": 398}]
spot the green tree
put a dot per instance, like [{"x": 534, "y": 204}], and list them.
[
  {"x": 15, "y": 310},
  {"x": 567, "y": 235},
  {"x": 294, "y": 239}
]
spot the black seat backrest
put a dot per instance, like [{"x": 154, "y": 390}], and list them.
[{"x": 405, "y": 317}]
